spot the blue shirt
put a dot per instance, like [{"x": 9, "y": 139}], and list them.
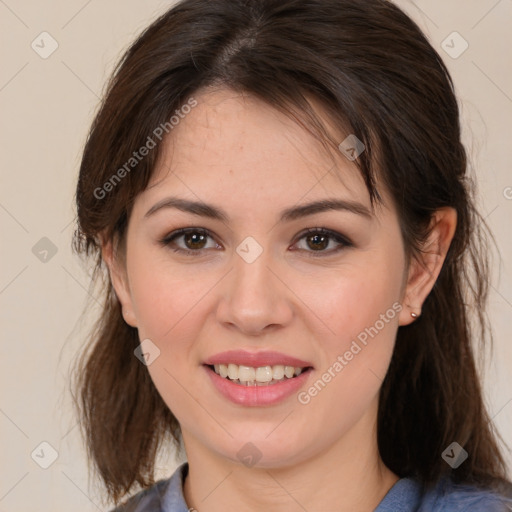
[{"x": 404, "y": 496}]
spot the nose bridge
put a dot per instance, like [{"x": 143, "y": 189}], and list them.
[{"x": 254, "y": 298}]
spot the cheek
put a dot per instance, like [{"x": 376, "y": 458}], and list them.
[
  {"x": 359, "y": 313},
  {"x": 166, "y": 298},
  {"x": 353, "y": 299},
  {"x": 170, "y": 305},
  {"x": 354, "y": 363}
]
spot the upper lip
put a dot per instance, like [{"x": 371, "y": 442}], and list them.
[{"x": 256, "y": 359}]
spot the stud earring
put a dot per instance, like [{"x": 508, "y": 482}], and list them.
[{"x": 413, "y": 314}]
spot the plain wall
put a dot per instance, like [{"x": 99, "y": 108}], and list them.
[{"x": 46, "y": 109}]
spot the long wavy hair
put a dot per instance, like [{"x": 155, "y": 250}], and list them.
[{"x": 374, "y": 74}]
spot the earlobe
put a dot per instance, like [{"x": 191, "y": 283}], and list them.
[
  {"x": 119, "y": 281},
  {"x": 425, "y": 268}
]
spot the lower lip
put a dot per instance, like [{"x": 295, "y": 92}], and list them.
[{"x": 254, "y": 396}]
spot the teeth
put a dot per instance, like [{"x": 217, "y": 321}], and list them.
[
  {"x": 223, "y": 370},
  {"x": 248, "y": 375},
  {"x": 289, "y": 371},
  {"x": 263, "y": 374},
  {"x": 278, "y": 372},
  {"x": 233, "y": 371}
]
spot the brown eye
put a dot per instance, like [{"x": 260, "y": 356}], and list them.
[
  {"x": 322, "y": 242},
  {"x": 190, "y": 241},
  {"x": 194, "y": 240},
  {"x": 317, "y": 242}
]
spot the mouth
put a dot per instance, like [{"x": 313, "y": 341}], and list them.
[
  {"x": 257, "y": 376},
  {"x": 257, "y": 379}
]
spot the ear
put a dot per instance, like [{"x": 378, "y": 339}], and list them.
[
  {"x": 119, "y": 279},
  {"x": 425, "y": 268}
]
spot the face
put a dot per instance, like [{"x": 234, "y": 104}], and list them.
[{"x": 261, "y": 272}]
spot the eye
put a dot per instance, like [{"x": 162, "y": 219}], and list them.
[
  {"x": 189, "y": 241},
  {"x": 323, "y": 241}
]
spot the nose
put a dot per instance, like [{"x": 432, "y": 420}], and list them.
[{"x": 255, "y": 298}]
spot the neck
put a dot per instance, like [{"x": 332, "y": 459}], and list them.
[{"x": 349, "y": 476}]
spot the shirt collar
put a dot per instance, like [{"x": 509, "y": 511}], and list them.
[
  {"x": 174, "y": 500},
  {"x": 404, "y": 496}
]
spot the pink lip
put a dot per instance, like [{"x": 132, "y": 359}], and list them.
[
  {"x": 255, "y": 359},
  {"x": 254, "y": 396}
]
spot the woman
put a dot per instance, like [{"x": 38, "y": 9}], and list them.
[{"x": 278, "y": 192}]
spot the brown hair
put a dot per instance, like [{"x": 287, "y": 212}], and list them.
[{"x": 376, "y": 75}]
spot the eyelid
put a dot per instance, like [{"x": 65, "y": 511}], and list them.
[
  {"x": 342, "y": 240},
  {"x": 169, "y": 238}
]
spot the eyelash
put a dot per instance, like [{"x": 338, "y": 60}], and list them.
[{"x": 344, "y": 242}]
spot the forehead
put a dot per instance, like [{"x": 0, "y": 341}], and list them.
[{"x": 232, "y": 142}]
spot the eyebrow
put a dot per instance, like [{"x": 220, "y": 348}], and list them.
[{"x": 293, "y": 213}]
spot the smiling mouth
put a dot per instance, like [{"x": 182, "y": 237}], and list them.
[{"x": 260, "y": 376}]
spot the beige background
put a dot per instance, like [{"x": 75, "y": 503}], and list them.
[{"x": 46, "y": 108}]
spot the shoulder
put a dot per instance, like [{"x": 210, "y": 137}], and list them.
[
  {"x": 409, "y": 495},
  {"x": 165, "y": 495},
  {"x": 448, "y": 496},
  {"x": 148, "y": 500}
]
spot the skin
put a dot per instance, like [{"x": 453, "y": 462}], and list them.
[{"x": 241, "y": 155}]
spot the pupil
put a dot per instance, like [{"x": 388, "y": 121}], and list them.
[
  {"x": 194, "y": 239},
  {"x": 318, "y": 239}
]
